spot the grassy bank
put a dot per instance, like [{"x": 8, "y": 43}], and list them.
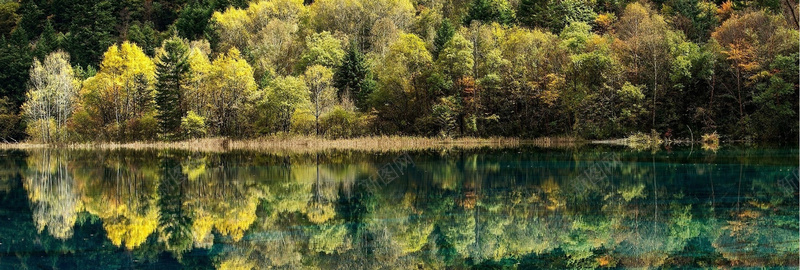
[{"x": 299, "y": 144}]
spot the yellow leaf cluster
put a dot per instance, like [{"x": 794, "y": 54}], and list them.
[
  {"x": 121, "y": 63},
  {"x": 129, "y": 227}
]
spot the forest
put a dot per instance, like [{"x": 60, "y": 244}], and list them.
[{"x": 154, "y": 70}]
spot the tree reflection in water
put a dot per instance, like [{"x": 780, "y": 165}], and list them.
[{"x": 502, "y": 207}]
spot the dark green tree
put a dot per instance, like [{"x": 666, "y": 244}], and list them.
[
  {"x": 145, "y": 36},
  {"x": 490, "y": 11},
  {"x": 221, "y": 5},
  {"x": 694, "y": 17},
  {"x": 11, "y": 128},
  {"x": 193, "y": 21},
  {"x": 775, "y": 98},
  {"x": 353, "y": 77},
  {"x": 443, "y": 35},
  {"x": 533, "y": 13},
  {"x": 15, "y": 62},
  {"x": 48, "y": 41},
  {"x": 8, "y": 17},
  {"x": 172, "y": 71},
  {"x": 91, "y": 33},
  {"x": 31, "y": 16},
  {"x": 164, "y": 13}
]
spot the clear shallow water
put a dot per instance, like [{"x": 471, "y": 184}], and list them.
[{"x": 524, "y": 208}]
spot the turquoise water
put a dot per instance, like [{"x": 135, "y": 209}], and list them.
[{"x": 515, "y": 208}]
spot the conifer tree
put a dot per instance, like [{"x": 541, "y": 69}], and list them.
[
  {"x": 353, "y": 77},
  {"x": 172, "y": 71},
  {"x": 443, "y": 35}
]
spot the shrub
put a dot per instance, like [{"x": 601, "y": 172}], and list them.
[
  {"x": 85, "y": 127},
  {"x": 366, "y": 124},
  {"x": 193, "y": 125},
  {"x": 644, "y": 141},
  {"x": 711, "y": 141},
  {"x": 144, "y": 128},
  {"x": 711, "y": 138},
  {"x": 11, "y": 128},
  {"x": 444, "y": 114},
  {"x": 338, "y": 123},
  {"x": 303, "y": 122},
  {"x": 42, "y": 130}
]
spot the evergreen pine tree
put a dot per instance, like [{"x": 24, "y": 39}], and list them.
[
  {"x": 193, "y": 22},
  {"x": 15, "y": 63},
  {"x": 443, "y": 35},
  {"x": 172, "y": 71},
  {"x": 92, "y": 33},
  {"x": 533, "y": 13},
  {"x": 353, "y": 77},
  {"x": 48, "y": 41},
  {"x": 489, "y": 11},
  {"x": 31, "y": 16}
]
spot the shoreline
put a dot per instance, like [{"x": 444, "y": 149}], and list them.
[
  {"x": 304, "y": 144},
  {"x": 294, "y": 144}
]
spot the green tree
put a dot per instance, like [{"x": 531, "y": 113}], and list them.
[
  {"x": 563, "y": 13},
  {"x": 319, "y": 80},
  {"x": 193, "y": 22},
  {"x": 11, "y": 128},
  {"x": 353, "y": 78},
  {"x": 172, "y": 72},
  {"x": 444, "y": 33},
  {"x": 48, "y": 41},
  {"x": 696, "y": 18},
  {"x": 554, "y": 15},
  {"x": 490, "y": 11},
  {"x": 193, "y": 125},
  {"x": 630, "y": 105},
  {"x": 445, "y": 114},
  {"x": 15, "y": 58},
  {"x": 456, "y": 59},
  {"x": 775, "y": 100},
  {"x": 647, "y": 40},
  {"x": 32, "y": 16},
  {"x": 144, "y": 35},
  {"x": 284, "y": 96},
  {"x": 8, "y": 17},
  {"x": 322, "y": 49},
  {"x": 592, "y": 78},
  {"x": 91, "y": 32},
  {"x": 533, "y": 13},
  {"x": 402, "y": 96}
]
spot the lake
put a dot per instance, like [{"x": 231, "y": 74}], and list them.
[{"x": 486, "y": 208}]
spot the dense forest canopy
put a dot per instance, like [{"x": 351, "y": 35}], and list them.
[{"x": 165, "y": 70}]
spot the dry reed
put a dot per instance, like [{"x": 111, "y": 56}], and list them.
[{"x": 295, "y": 144}]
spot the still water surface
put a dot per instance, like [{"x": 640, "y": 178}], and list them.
[{"x": 514, "y": 208}]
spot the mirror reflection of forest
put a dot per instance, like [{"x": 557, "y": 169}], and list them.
[{"x": 591, "y": 207}]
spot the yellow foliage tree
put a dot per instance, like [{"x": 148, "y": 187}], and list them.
[
  {"x": 196, "y": 94},
  {"x": 267, "y": 30},
  {"x": 121, "y": 91},
  {"x": 229, "y": 89}
]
